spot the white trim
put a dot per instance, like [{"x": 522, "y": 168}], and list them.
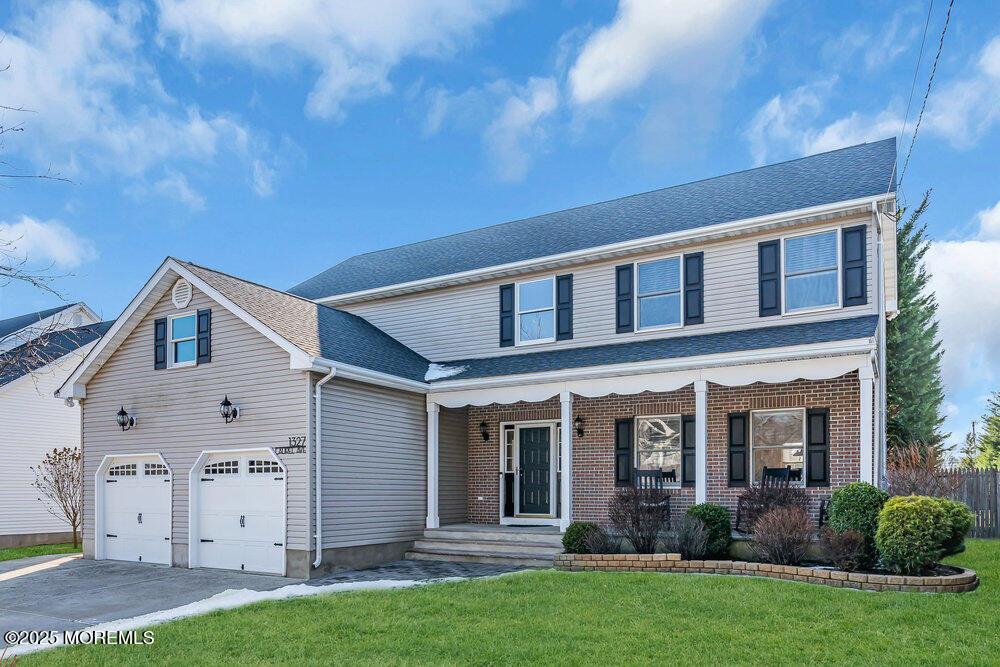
[
  {"x": 638, "y": 328},
  {"x": 318, "y": 463},
  {"x": 194, "y": 486},
  {"x": 102, "y": 468},
  {"x": 866, "y": 427},
  {"x": 517, "y": 312},
  {"x": 679, "y": 477},
  {"x": 553, "y": 518},
  {"x": 701, "y": 441},
  {"x": 349, "y": 372},
  {"x": 733, "y": 228},
  {"x": 564, "y": 462},
  {"x": 58, "y": 321},
  {"x": 839, "y": 269},
  {"x": 805, "y": 441},
  {"x": 433, "y": 464}
]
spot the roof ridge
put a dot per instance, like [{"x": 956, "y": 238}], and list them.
[{"x": 244, "y": 280}]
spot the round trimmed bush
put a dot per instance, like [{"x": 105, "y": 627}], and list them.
[
  {"x": 856, "y": 507},
  {"x": 575, "y": 538},
  {"x": 960, "y": 520},
  {"x": 911, "y": 533},
  {"x": 720, "y": 528}
]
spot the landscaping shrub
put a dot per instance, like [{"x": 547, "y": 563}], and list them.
[
  {"x": 758, "y": 501},
  {"x": 640, "y": 516},
  {"x": 847, "y": 551},
  {"x": 912, "y": 531},
  {"x": 720, "y": 528},
  {"x": 856, "y": 507},
  {"x": 690, "y": 539},
  {"x": 575, "y": 538},
  {"x": 960, "y": 520},
  {"x": 599, "y": 541},
  {"x": 918, "y": 469},
  {"x": 782, "y": 535}
]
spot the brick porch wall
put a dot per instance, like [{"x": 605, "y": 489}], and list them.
[{"x": 593, "y": 454}]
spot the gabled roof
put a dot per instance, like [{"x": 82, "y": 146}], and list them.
[
  {"x": 746, "y": 340},
  {"x": 848, "y": 174},
  {"x": 34, "y": 355},
  {"x": 15, "y": 324}
]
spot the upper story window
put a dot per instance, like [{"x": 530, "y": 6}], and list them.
[
  {"x": 658, "y": 446},
  {"x": 536, "y": 311},
  {"x": 183, "y": 345},
  {"x": 811, "y": 270},
  {"x": 658, "y": 293}
]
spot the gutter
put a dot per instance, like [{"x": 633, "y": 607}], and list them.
[
  {"x": 882, "y": 352},
  {"x": 318, "y": 462}
]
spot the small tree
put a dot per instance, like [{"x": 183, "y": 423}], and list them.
[
  {"x": 988, "y": 449},
  {"x": 59, "y": 478}
]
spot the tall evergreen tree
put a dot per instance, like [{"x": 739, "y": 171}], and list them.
[
  {"x": 913, "y": 359},
  {"x": 989, "y": 441}
]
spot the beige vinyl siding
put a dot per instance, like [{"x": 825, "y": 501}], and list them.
[
  {"x": 374, "y": 464},
  {"x": 453, "y": 465},
  {"x": 34, "y": 423},
  {"x": 178, "y": 409},
  {"x": 463, "y": 322}
]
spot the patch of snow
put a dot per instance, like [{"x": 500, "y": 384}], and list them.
[{"x": 440, "y": 371}]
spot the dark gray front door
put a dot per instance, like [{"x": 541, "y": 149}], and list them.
[{"x": 535, "y": 468}]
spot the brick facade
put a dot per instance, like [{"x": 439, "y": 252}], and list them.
[{"x": 593, "y": 454}]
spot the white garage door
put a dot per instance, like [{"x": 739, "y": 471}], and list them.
[
  {"x": 241, "y": 512},
  {"x": 137, "y": 510}
]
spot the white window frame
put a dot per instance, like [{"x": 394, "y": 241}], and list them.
[
  {"x": 805, "y": 444},
  {"x": 838, "y": 232},
  {"x": 171, "y": 362},
  {"x": 517, "y": 312},
  {"x": 635, "y": 449},
  {"x": 680, "y": 293}
]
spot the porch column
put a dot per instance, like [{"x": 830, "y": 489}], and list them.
[
  {"x": 867, "y": 377},
  {"x": 432, "y": 465},
  {"x": 701, "y": 441},
  {"x": 566, "y": 454}
]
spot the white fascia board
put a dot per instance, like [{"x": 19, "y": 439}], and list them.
[
  {"x": 732, "y": 228},
  {"x": 47, "y": 325},
  {"x": 368, "y": 376},
  {"x": 810, "y": 351},
  {"x": 73, "y": 388}
]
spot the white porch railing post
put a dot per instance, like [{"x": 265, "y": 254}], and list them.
[
  {"x": 566, "y": 454},
  {"x": 867, "y": 377},
  {"x": 432, "y": 465},
  {"x": 701, "y": 441}
]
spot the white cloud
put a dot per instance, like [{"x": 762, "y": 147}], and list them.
[
  {"x": 177, "y": 188},
  {"x": 354, "y": 46},
  {"x": 39, "y": 242},
  {"x": 780, "y": 120},
  {"x": 684, "y": 42},
  {"x": 963, "y": 110},
  {"x": 516, "y": 130},
  {"x": 262, "y": 177}
]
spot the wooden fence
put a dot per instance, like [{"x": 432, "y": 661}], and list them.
[{"x": 980, "y": 490}]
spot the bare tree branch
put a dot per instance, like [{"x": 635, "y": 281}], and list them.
[{"x": 59, "y": 480}]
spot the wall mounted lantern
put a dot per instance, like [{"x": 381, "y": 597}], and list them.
[
  {"x": 484, "y": 430},
  {"x": 578, "y": 424},
  {"x": 124, "y": 419},
  {"x": 228, "y": 411}
]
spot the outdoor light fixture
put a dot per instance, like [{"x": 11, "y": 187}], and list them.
[
  {"x": 484, "y": 430},
  {"x": 578, "y": 424},
  {"x": 228, "y": 411},
  {"x": 124, "y": 420}
]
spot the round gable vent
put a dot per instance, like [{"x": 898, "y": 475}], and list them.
[{"x": 181, "y": 295}]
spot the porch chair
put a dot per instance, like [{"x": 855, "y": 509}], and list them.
[
  {"x": 769, "y": 478},
  {"x": 652, "y": 480}
]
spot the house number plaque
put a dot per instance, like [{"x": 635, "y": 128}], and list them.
[{"x": 296, "y": 445}]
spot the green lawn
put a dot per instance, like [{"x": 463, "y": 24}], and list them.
[
  {"x": 592, "y": 618},
  {"x": 41, "y": 550}
]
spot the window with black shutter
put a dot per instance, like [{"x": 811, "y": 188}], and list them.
[
  {"x": 738, "y": 460},
  {"x": 818, "y": 447},
  {"x": 624, "y": 320},
  {"x": 204, "y": 335},
  {"x": 623, "y": 452},
  {"x": 769, "y": 277},
  {"x": 160, "y": 343},
  {"x": 507, "y": 315},
  {"x": 564, "y": 307},
  {"x": 694, "y": 288},
  {"x": 855, "y": 282},
  {"x": 688, "y": 448}
]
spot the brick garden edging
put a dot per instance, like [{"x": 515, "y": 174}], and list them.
[{"x": 963, "y": 581}]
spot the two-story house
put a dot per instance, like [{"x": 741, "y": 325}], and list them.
[{"x": 514, "y": 375}]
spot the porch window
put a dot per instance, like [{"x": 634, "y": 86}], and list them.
[
  {"x": 536, "y": 311},
  {"x": 658, "y": 292},
  {"x": 183, "y": 347},
  {"x": 811, "y": 271},
  {"x": 658, "y": 446},
  {"x": 777, "y": 440}
]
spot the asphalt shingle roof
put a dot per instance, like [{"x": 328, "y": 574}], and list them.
[
  {"x": 318, "y": 330},
  {"x": 36, "y": 354},
  {"x": 864, "y": 170},
  {"x": 13, "y": 324},
  {"x": 665, "y": 348}
]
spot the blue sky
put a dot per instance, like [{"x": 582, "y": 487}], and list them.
[{"x": 274, "y": 141}]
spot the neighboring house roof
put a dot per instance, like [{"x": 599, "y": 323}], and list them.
[
  {"x": 34, "y": 355},
  {"x": 318, "y": 330},
  {"x": 865, "y": 170},
  {"x": 15, "y": 324},
  {"x": 745, "y": 340}
]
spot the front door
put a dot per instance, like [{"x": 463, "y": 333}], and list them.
[{"x": 535, "y": 462}]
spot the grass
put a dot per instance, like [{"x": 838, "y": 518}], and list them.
[
  {"x": 40, "y": 550},
  {"x": 591, "y": 618}
]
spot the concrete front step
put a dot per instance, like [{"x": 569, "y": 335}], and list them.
[
  {"x": 510, "y": 536},
  {"x": 502, "y": 559},
  {"x": 483, "y": 546}
]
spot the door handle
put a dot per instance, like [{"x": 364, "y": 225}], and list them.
[
  {"x": 139, "y": 517},
  {"x": 243, "y": 521}
]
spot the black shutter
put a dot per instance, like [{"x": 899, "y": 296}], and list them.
[
  {"x": 694, "y": 288},
  {"x": 624, "y": 321},
  {"x": 818, "y": 447},
  {"x": 769, "y": 277},
  {"x": 855, "y": 252},
  {"x": 160, "y": 343},
  {"x": 507, "y": 315},
  {"x": 564, "y": 307},
  {"x": 623, "y": 452},
  {"x": 204, "y": 336},
  {"x": 688, "y": 460},
  {"x": 739, "y": 458}
]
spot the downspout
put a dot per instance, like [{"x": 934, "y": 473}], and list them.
[
  {"x": 318, "y": 462},
  {"x": 882, "y": 324}
]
